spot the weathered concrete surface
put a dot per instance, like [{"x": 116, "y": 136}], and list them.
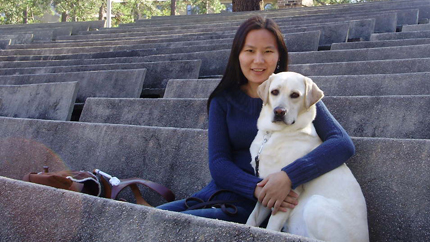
[
  {"x": 330, "y": 33},
  {"x": 194, "y": 88},
  {"x": 77, "y": 217},
  {"x": 108, "y": 83},
  {"x": 354, "y": 85},
  {"x": 179, "y": 113},
  {"x": 363, "y": 67},
  {"x": 400, "y": 35},
  {"x": 361, "y": 116},
  {"x": 157, "y": 154},
  {"x": 379, "y": 166},
  {"x": 52, "y": 101},
  {"x": 4, "y": 43},
  {"x": 18, "y": 38},
  {"x": 155, "y": 80},
  {"x": 379, "y": 44},
  {"x": 416, "y": 27},
  {"x": 77, "y": 26},
  {"x": 390, "y": 171},
  {"x": 388, "y": 53},
  {"x": 214, "y": 62}
]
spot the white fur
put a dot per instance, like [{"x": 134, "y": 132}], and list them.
[{"x": 330, "y": 207}]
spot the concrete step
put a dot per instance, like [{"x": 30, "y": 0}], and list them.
[
  {"x": 361, "y": 116},
  {"x": 400, "y": 35},
  {"x": 112, "y": 219},
  {"x": 416, "y": 27},
  {"x": 108, "y": 83},
  {"x": 379, "y": 44},
  {"x": 155, "y": 79},
  {"x": 306, "y": 41},
  {"x": 364, "y": 67},
  {"x": 368, "y": 54},
  {"x": 53, "y": 101},
  {"x": 214, "y": 62},
  {"x": 146, "y": 152},
  {"x": 355, "y": 85}
]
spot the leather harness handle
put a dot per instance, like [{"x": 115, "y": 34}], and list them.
[{"x": 113, "y": 191}]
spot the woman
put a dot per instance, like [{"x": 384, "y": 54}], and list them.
[{"x": 258, "y": 51}]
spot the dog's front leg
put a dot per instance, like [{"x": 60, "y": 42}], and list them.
[
  {"x": 258, "y": 215},
  {"x": 277, "y": 221}
]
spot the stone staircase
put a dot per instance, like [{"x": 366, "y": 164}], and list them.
[{"x": 83, "y": 100}]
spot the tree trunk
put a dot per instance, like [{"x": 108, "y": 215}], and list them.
[
  {"x": 25, "y": 16},
  {"x": 247, "y": 5},
  {"x": 172, "y": 7},
  {"x": 101, "y": 11},
  {"x": 64, "y": 17}
]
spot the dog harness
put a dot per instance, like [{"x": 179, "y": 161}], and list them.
[{"x": 257, "y": 158}]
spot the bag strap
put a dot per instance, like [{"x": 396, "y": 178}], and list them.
[
  {"x": 112, "y": 191},
  {"x": 223, "y": 204}
]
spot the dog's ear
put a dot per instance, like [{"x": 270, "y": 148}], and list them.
[
  {"x": 313, "y": 92},
  {"x": 263, "y": 90}
]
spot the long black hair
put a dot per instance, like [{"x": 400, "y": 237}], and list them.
[{"x": 233, "y": 76}]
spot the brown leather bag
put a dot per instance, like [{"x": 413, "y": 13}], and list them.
[
  {"x": 97, "y": 183},
  {"x": 78, "y": 181}
]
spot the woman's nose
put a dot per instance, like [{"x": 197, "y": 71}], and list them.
[{"x": 259, "y": 58}]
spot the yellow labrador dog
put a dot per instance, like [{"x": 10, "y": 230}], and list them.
[{"x": 332, "y": 206}]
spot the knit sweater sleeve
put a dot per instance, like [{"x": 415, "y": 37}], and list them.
[
  {"x": 337, "y": 148},
  {"x": 224, "y": 171}
]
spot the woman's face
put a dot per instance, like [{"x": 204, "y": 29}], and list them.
[{"x": 259, "y": 56}]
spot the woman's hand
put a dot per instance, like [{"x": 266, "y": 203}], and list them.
[{"x": 275, "y": 191}]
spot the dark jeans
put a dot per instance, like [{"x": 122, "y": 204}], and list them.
[{"x": 241, "y": 216}]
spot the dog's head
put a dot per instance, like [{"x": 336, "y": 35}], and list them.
[{"x": 288, "y": 99}]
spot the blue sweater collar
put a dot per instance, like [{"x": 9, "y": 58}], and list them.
[{"x": 242, "y": 101}]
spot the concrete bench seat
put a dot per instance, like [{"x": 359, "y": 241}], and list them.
[
  {"x": 16, "y": 39},
  {"x": 330, "y": 33},
  {"x": 355, "y": 85},
  {"x": 146, "y": 152},
  {"x": 156, "y": 75},
  {"x": 112, "y": 219},
  {"x": 387, "y": 53},
  {"x": 400, "y": 35},
  {"x": 364, "y": 67},
  {"x": 379, "y": 44},
  {"x": 306, "y": 41},
  {"x": 107, "y": 83},
  {"x": 362, "y": 116},
  {"x": 214, "y": 62},
  {"x": 53, "y": 101},
  {"x": 416, "y": 27},
  {"x": 77, "y": 26}
]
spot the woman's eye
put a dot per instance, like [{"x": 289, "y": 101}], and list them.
[
  {"x": 294, "y": 95},
  {"x": 275, "y": 92}
]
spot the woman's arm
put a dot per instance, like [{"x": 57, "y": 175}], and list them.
[{"x": 224, "y": 171}]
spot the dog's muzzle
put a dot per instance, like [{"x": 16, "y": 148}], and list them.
[{"x": 279, "y": 114}]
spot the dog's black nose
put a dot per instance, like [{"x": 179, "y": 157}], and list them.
[{"x": 279, "y": 112}]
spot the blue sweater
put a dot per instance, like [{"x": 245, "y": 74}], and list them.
[{"x": 232, "y": 128}]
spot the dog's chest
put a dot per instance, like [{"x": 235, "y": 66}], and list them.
[{"x": 281, "y": 149}]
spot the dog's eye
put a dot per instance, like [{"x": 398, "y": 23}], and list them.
[
  {"x": 275, "y": 92},
  {"x": 294, "y": 95}
]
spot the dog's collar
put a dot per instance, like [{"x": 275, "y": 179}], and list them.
[{"x": 266, "y": 137}]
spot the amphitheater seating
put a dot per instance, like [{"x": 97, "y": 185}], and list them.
[
  {"x": 53, "y": 101},
  {"x": 373, "y": 64}
]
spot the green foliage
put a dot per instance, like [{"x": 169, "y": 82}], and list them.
[
  {"x": 79, "y": 10},
  {"x": 12, "y": 11},
  {"x": 200, "y": 6}
]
